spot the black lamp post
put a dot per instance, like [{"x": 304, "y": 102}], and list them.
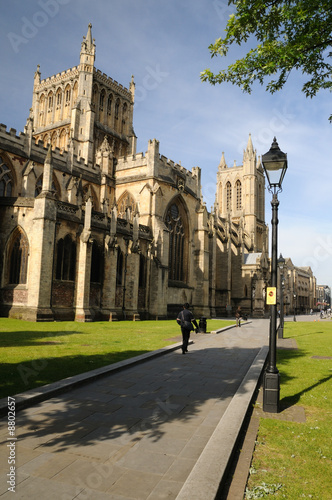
[
  {"x": 275, "y": 166},
  {"x": 294, "y": 297},
  {"x": 281, "y": 264}
]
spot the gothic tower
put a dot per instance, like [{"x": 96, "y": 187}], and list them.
[
  {"x": 240, "y": 197},
  {"x": 76, "y": 109}
]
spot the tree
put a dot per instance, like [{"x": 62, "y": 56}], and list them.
[{"x": 290, "y": 35}]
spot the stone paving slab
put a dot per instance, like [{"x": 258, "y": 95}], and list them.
[{"x": 140, "y": 432}]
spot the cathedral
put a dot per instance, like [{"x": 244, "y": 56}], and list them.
[{"x": 91, "y": 229}]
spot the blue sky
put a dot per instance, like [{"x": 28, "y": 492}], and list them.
[{"x": 164, "y": 44}]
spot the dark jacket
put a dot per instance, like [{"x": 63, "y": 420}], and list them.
[{"x": 185, "y": 318}]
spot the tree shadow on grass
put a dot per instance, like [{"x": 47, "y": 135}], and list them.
[
  {"x": 28, "y": 338},
  {"x": 289, "y": 401}
]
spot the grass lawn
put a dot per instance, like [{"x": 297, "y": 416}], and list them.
[
  {"x": 294, "y": 460},
  {"x": 35, "y": 354}
]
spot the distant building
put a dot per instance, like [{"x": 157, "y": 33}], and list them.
[
  {"x": 299, "y": 288},
  {"x": 323, "y": 297},
  {"x": 91, "y": 229}
]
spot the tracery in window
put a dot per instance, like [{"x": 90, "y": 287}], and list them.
[
  {"x": 109, "y": 104},
  {"x": 126, "y": 206},
  {"x": 229, "y": 196},
  {"x": 39, "y": 187},
  {"x": 102, "y": 99},
  {"x": 18, "y": 258},
  {"x": 66, "y": 259},
  {"x": 88, "y": 192},
  {"x": 124, "y": 118},
  {"x": 220, "y": 198},
  {"x": 116, "y": 111},
  {"x": 6, "y": 180},
  {"x": 238, "y": 187},
  {"x": 178, "y": 253}
]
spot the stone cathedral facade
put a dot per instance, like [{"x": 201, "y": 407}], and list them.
[{"x": 90, "y": 229}]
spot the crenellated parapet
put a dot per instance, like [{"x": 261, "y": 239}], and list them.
[
  {"x": 57, "y": 79},
  {"x": 19, "y": 145},
  {"x": 113, "y": 85},
  {"x": 154, "y": 165}
]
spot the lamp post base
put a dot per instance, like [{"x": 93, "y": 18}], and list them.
[{"x": 271, "y": 392}]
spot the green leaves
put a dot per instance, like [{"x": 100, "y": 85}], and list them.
[{"x": 290, "y": 35}]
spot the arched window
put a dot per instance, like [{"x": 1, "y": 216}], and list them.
[
  {"x": 18, "y": 258},
  {"x": 126, "y": 206},
  {"x": 96, "y": 263},
  {"x": 50, "y": 100},
  {"x": 67, "y": 94},
  {"x": 39, "y": 187},
  {"x": 119, "y": 268},
  {"x": 102, "y": 99},
  {"x": 238, "y": 188},
  {"x": 89, "y": 192},
  {"x": 220, "y": 198},
  {"x": 42, "y": 105},
  {"x": 6, "y": 180},
  {"x": 178, "y": 254},
  {"x": 66, "y": 259},
  {"x": 124, "y": 118},
  {"x": 116, "y": 111},
  {"x": 229, "y": 196},
  {"x": 260, "y": 203},
  {"x": 109, "y": 104}
]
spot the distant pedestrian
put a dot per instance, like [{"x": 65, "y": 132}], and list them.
[
  {"x": 238, "y": 316},
  {"x": 186, "y": 320}
]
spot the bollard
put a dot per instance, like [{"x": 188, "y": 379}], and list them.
[{"x": 202, "y": 325}]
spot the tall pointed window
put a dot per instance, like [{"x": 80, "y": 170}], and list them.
[
  {"x": 126, "y": 206},
  {"x": 66, "y": 259},
  {"x": 220, "y": 197},
  {"x": 119, "y": 268},
  {"x": 176, "y": 222},
  {"x": 96, "y": 263},
  {"x": 18, "y": 258},
  {"x": 6, "y": 180},
  {"x": 116, "y": 111},
  {"x": 109, "y": 104},
  {"x": 39, "y": 186},
  {"x": 238, "y": 187},
  {"x": 229, "y": 196}
]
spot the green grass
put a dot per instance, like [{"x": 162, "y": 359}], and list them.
[
  {"x": 295, "y": 457},
  {"x": 35, "y": 354}
]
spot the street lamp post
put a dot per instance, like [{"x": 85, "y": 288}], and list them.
[
  {"x": 275, "y": 166},
  {"x": 294, "y": 301},
  {"x": 281, "y": 264}
]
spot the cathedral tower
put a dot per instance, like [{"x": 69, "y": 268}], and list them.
[
  {"x": 240, "y": 196},
  {"x": 76, "y": 109}
]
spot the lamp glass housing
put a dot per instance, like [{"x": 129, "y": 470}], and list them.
[
  {"x": 275, "y": 165},
  {"x": 281, "y": 262}
]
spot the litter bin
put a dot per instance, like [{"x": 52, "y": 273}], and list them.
[{"x": 202, "y": 325}]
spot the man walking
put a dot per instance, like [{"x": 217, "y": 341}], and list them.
[{"x": 186, "y": 320}]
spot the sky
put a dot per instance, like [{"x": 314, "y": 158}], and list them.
[{"x": 164, "y": 44}]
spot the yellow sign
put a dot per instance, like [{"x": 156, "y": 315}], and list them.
[{"x": 271, "y": 295}]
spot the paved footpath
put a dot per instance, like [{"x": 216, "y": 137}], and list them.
[{"x": 162, "y": 429}]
